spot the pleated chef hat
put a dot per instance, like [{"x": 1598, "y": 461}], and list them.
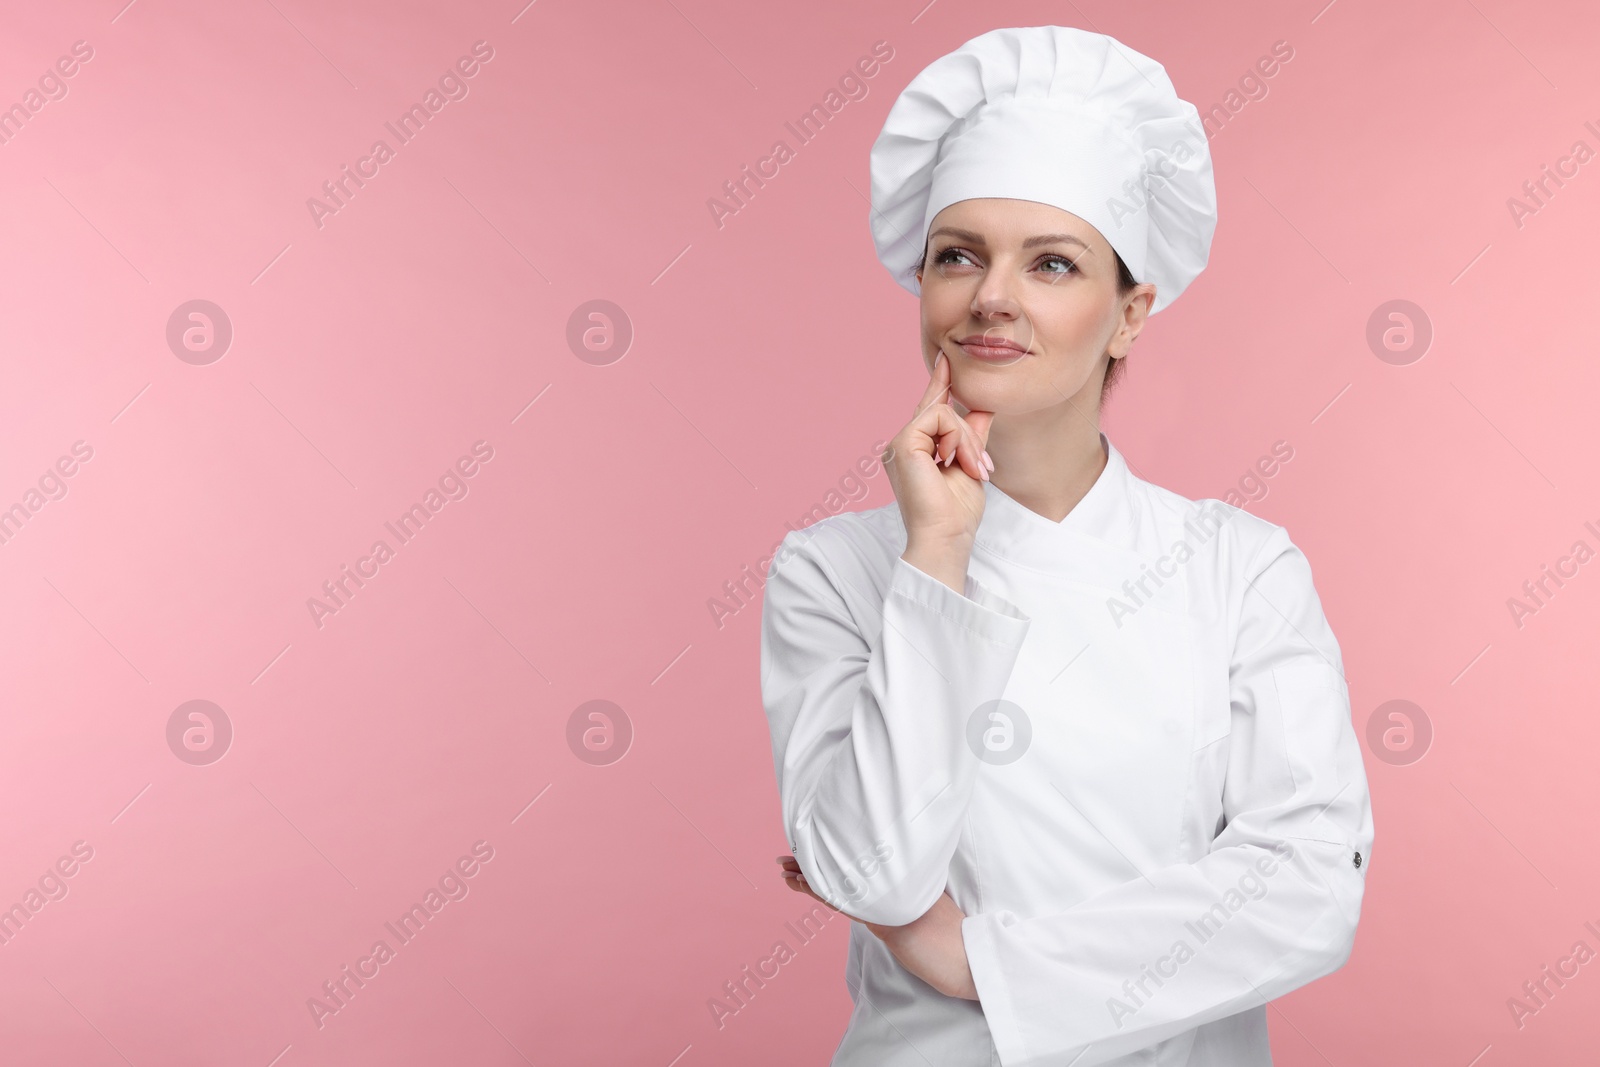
[{"x": 1057, "y": 115}]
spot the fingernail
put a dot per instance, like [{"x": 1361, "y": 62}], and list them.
[
  {"x": 987, "y": 461},
  {"x": 952, "y": 457},
  {"x": 983, "y": 473}
]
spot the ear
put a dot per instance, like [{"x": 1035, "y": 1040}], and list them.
[{"x": 1144, "y": 299}]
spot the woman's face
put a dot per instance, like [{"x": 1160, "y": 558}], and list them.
[{"x": 1021, "y": 273}]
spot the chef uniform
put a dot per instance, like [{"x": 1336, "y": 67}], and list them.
[{"x": 1125, "y": 749}]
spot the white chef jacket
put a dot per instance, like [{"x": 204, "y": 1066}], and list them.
[{"x": 1162, "y": 825}]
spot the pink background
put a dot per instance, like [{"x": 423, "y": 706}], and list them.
[{"x": 371, "y": 752}]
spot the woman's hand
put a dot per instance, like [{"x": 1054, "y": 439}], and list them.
[
  {"x": 930, "y": 948},
  {"x": 941, "y": 503}
]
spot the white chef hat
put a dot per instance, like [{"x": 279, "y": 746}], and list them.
[{"x": 1057, "y": 115}]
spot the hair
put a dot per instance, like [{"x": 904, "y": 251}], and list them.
[{"x": 1125, "y": 284}]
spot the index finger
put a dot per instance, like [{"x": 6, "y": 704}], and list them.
[
  {"x": 938, "y": 383},
  {"x": 979, "y": 422}
]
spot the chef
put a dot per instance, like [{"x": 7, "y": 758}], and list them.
[{"x": 1072, "y": 750}]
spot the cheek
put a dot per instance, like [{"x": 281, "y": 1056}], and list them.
[
  {"x": 1074, "y": 329},
  {"x": 939, "y": 316},
  {"x": 942, "y": 302}
]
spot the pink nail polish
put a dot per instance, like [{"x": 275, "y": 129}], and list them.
[{"x": 987, "y": 461}]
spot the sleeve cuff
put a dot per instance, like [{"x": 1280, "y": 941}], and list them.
[
  {"x": 983, "y": 960},
  {"x": 981, "y": 610},
  {"x": 980, "y": 593}
]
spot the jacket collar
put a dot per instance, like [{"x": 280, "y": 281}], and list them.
[{"x": 1103, "y": 519}]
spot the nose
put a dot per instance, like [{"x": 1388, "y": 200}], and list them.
[
  {"x": 996, "y": 307},
  {"x": 993, "y": 298}
]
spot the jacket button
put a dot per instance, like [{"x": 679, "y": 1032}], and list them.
[{"x": 1358, "y": 859}]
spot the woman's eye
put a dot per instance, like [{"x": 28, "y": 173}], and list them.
[{"x": 1049, "y": 264}]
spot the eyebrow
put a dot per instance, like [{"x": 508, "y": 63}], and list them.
[{"x": 1041, "y": 239}]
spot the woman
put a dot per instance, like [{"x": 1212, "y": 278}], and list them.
[{"x": 1073, "y": 750}]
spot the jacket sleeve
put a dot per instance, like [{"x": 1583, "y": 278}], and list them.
[
  {"x": 869, "y": 739},
  {"x": 1270, "y": 907}
]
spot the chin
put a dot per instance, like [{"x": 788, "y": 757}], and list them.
[{"x": 1003, "y": 391}]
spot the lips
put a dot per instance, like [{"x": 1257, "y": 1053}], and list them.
[{"x": 992, "y": 349}]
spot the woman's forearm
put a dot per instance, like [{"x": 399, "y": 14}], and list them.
[{"x": 930, "y": 947}]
